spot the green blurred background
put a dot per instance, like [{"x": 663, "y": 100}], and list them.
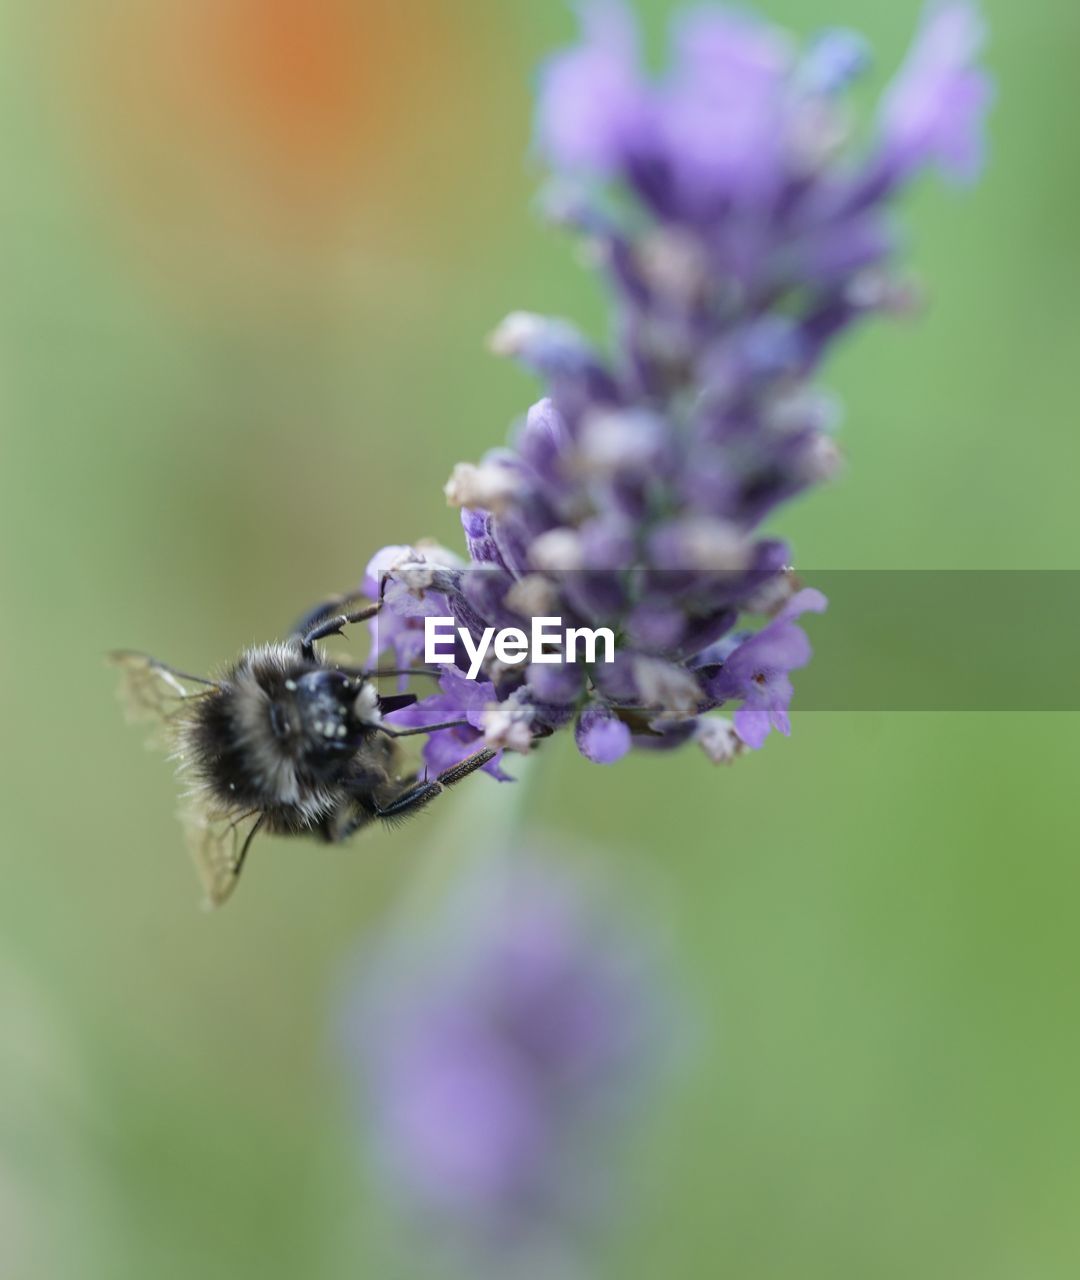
[{"x": 250, "y": 250}]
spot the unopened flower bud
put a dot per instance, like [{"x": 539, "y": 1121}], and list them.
[
  {"x": 717, "y": 738},
  {"x": 488, "y": 486}
]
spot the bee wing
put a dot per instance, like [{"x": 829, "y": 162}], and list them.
[
  {"x": 155, "y": 693},
  {"x": 218, "y": 844},
  {"x": 158, "y": 694}
]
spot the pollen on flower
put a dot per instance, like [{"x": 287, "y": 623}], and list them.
[
  {"x": 676, "y": 264},
  {"x": 534, "y": 596},
  {"x": 711, "y": 545},
  {"x": 823, "y": 459},
  {"x": 670, "y": 691},
  {"x": 717, "y": 737},
  {"x": 417, "y": 568},
  {"x": 775, "y": 593},
  {"x": 516, "y": 332},
  {"x": 619, "y": 441},
  {"x": 488, "y": 486},
  {"x": 558, "y": 550},
  {"x": 508, "y": 725}
]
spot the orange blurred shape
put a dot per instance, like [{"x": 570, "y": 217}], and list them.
[
  {"x": 303, "y": 82},
  {"x": 264, "y": 123}
]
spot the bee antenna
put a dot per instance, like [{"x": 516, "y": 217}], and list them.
[{"x": 377, "y": 672}]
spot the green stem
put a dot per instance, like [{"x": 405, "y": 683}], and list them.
[{"x": 479, "y": 822}]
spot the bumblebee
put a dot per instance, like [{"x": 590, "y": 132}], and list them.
[{"x": 287, "y": 742}]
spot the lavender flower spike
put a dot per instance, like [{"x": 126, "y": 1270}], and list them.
[
  {"x": 498, "y": 1053},
  {"x": 742, "y": 232}
]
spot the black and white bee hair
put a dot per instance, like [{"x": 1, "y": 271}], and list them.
[{"x": 285, "y": 741}]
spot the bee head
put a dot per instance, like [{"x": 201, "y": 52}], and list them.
[{"x": 322, "y": 710}]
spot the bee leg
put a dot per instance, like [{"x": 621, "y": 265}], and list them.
[
  {"x": 421, "y": 793},
  {"x": 239, "y": 864},
  {"x": 333, "y": 626},
  {"x": 332, "y": 604},
  {"x": 425, "y": 728}
]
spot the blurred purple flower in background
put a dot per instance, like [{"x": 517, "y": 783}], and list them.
[
  {"x": 742, "y": 228},
  {"x": 499, "y": 1050}
]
